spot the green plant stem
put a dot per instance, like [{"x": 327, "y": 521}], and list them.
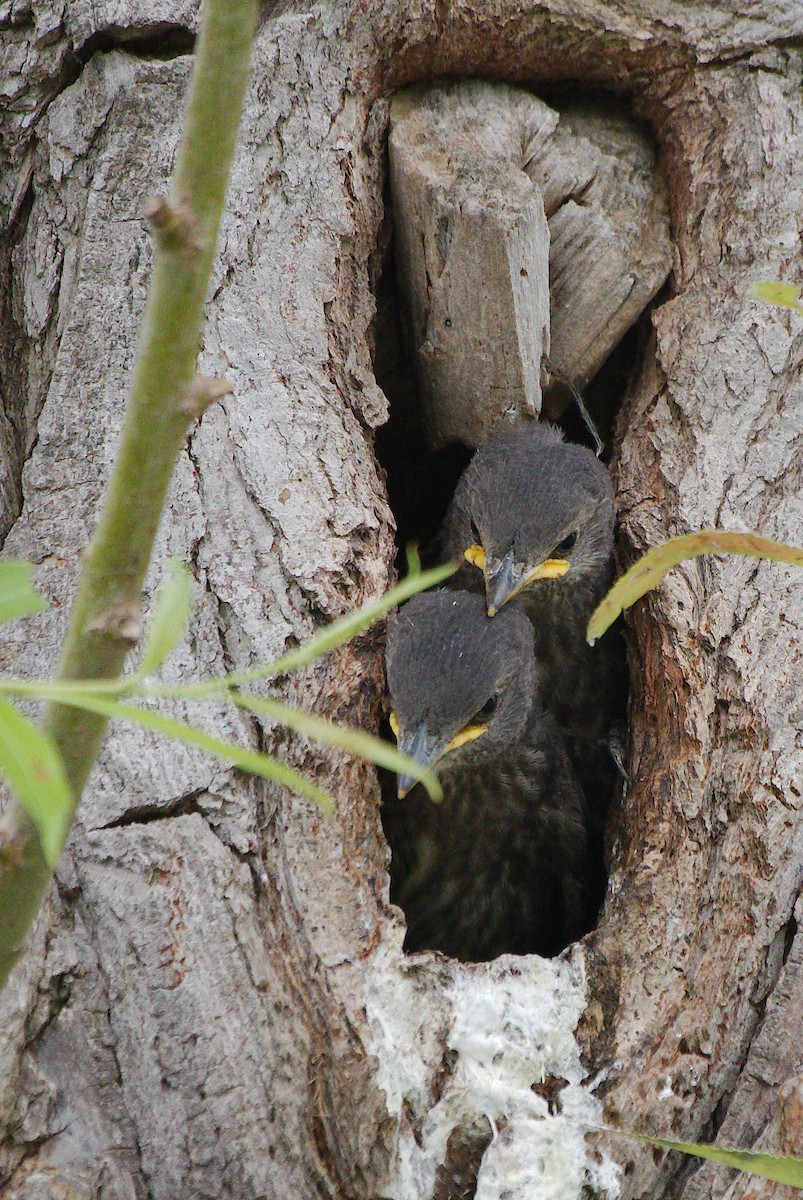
[{"x": 165, "y": 398}]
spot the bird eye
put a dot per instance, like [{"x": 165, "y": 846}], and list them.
[
  {"x": 565, "y": 546},
  {"x": 489, "y": 707},
  {"x": 475, "y": 533}
]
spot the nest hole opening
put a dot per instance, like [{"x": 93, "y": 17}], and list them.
[{"x": 421, "y": 481}]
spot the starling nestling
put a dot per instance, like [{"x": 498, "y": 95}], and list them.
[
  {"x": 501, "y": 865},
  {"x": 532, "y": 518}
]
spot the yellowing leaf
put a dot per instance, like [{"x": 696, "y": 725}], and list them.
[
  {"x": 18, "y": 597},
  {"x": 32, "y": 765},
  {"x": 650, "y": 569},
  {"x": 784, "y": 295}
]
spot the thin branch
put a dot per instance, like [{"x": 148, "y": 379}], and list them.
[{"x": 164, "y": 400}]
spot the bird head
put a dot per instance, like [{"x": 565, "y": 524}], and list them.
[
  {"x": 531, "y": 508},
  {"x": 461, "y": 687}
]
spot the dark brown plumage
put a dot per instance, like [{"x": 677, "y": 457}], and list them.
[
  {"x": 541, "y": 513},
  {"x": 501, "y": 865}
]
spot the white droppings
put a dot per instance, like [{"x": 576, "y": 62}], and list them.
[{"x": 511, "y": 1025}]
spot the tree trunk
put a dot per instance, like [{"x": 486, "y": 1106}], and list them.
[{"x": 215, "y": 1002}]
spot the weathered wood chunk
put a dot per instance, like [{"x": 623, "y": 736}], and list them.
[
  {"x": 610, "y": 245},
  {"x": 472, "y": 246},
  {"x": 472, "y": 254}
]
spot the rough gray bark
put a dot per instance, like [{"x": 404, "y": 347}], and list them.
[{"x": 215, "y": 1002}]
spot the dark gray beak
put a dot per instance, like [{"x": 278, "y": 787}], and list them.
[
  {"x": 502, "y": 583},
  {"x": 422, "y": 749}
]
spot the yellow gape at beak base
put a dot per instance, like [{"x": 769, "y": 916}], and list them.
[
  {"x": 550, "y": 568},
  {"x": 465, "y": 735},
  {"x": 394, "y": 724},
  {"x": 476, "y": 556}
]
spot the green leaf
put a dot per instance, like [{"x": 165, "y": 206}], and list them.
[
  {"x": 169, "y": 620},
  {"x": 328, "y": 639},
  {"x": 347, "y": 627},
  {"x": 355, "y": 741},
  {"x": 650, "y": 569},
  {"x": 18, "y": 598},
  {"x": 413, "y": 560},
  {"x": 784, "y": 295},
  {"x": 768, "y": 1166},
  {"x": 32, "y": 765},
  {"x": 248, "y": 760}
]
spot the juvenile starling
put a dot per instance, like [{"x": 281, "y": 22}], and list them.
[
  {"x": 500, "y": 866},
  {"x": 532, "y": 518}
]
